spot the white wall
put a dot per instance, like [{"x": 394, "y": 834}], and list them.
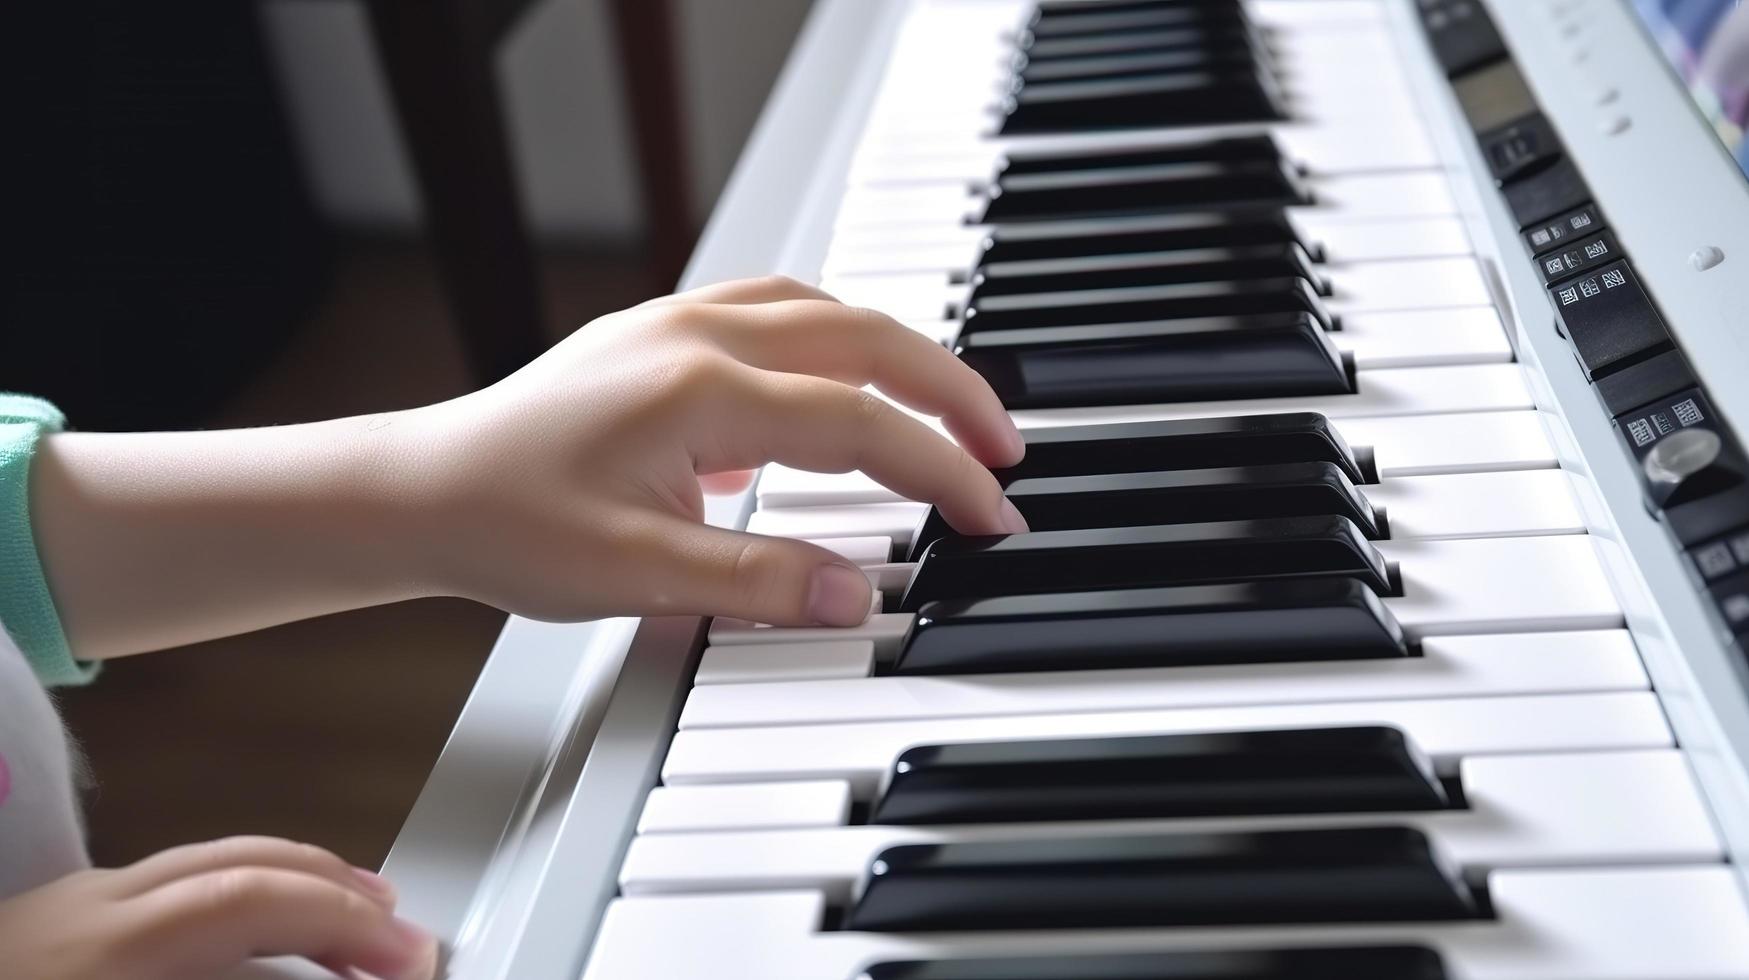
[{"x": 561, "y": 85}]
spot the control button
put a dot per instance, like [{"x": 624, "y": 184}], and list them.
[
  {"x": 1520, "y": 148},
  {"x": 1732, "y": 597},
  {"x": 1682, "y": 457},
  {"x": 1608, "y": 318},
  {"x": 1739, "y": 543},
  {"x": 1538, "y": 198},
  {"x": 1581, "y": 256},
  {"x": 1714, "y": 560},
  {"x": 1645, "y": 382},
  {"x": 1706, "y": 257},
  {"x": 1462, "y": 35},
  {"x": 1557, "y": 231},
  {"x": 1676, "y": 461}
]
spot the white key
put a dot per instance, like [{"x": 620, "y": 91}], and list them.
[
  {"x": 1361, "y": 287},
  {"x": 1445, "y": 506},
  {"x": 1346, "y": 197},
  {"x": 1614, "y": 924},
  {"x": 866, "y": 550},
  {"x": 1386, "y": 391},
  {"x": 1420, "y": 338},
  {"x": 757, "y": 806},
  {"x": 1362, "y": 241},
  {"x": 1413, "y": 445},
  {"x": 1450, "y": 587},
  {"x": 1449, "y": 667},
  {"x": 1343, "y": 242},
  {"x": 1446, "y": 729},
  {"x": 1463, "y": 505},
  {"x": 1529, "y": 811},
  {"x": 750, "y": 662}
]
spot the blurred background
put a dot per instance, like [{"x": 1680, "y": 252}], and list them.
[{"x": 225, "y": 213}]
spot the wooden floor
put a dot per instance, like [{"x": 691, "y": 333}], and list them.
[{"x": 321, "y": 731}]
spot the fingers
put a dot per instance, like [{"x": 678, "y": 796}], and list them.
[
  {"x": 200, "y": 925},
  {"x": 765, "y": 289},
  {"x": 779, "y": 581},
  {"x": 860, "y": 346},
  {"x": 814, "y": 424},
  {"x": 236, "y": 852}
]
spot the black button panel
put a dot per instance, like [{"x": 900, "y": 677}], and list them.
[{"x": 1691, "y": 466}]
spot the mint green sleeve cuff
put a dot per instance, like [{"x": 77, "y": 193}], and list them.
[{"x": 26, "y": 608}]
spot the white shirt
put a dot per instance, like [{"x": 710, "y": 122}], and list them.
[{"x": 40, "y": 835}]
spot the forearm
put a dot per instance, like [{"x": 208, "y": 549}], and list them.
[{"x": 158, "y": 539}]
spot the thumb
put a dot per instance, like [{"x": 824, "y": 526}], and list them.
[
  {"x": 713, "y": 571},
  {"x": 208, "y": 923}
]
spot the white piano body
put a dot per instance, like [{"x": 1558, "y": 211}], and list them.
[{"x": 520, "y": 841}]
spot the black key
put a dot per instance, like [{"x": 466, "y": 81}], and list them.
[
  {"x": 1369, "y": 769},
  {"x": 1240, "y": 149},
  {"x": 1227, "y": 54},
  {"x": 1065, "y": 503},
  {"x": 1152, "y": 233},
  {"x": 1373, "y": 874},
  {"x": 1279, "y": 261},
  {"x": 1283, "y": 621},
  {"x": 1195, "y": 185},
  {"x": 1142, "y": 304},
  {"x": 1131, "y": 19},
  {"x": 1053, "y": 8},
  {"x": 1273, "y": 355},
  {"x": 1187, "y": 444},
  {"x": 1195, "y": 37},
  {"x": 1329, "y": 963},
  {"x": 1238, "y": 94},
  {"x": 968, "y": 567}
]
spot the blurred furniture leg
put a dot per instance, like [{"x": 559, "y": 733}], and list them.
[
  {"x": 438, "y": 55},
  {"x": 650, "y": 67}
]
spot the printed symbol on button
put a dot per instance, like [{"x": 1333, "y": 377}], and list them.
[
  {"x": 1590, "y": 288},
  {"x": 1595, "y": 249},
  {"x": 1714, "y": 560},
  {"x": 1687, "y": 412},
  {"x": 1555, "y": 231},
  {"x": 1580, "y": 220},
  {"x": 1614, "y": 278},
  {"x": 1539, "y": 236},
  {"x": 1641, "y": 430},
  {"x": 1569, "y": 296},
  {"x": 1552, "y": 265},
  {"x": 1662, "y": 423}
]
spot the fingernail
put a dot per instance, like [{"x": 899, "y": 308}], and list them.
[
  {"x": 838, "y": 595},
  {"x": 1016, "y": 444},
  {"x": 421, "y": 952},
  {"x": 376, "y": 884},
  {"x": 1011, "y": 520}
]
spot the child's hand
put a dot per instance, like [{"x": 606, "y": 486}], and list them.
[
  {"x": 572, "y": 488},
  {"x": 197, "y": 912},
  {"x": 569, "y": 490}
]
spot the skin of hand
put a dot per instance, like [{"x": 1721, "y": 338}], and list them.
[
  {"x": 199, "y": 911},
  {"x": 571, "y": 490}
]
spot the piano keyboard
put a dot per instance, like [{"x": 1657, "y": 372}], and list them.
[
  {"x": 1384, "y": 604},
  {"x": 1334, "y": 685}
]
